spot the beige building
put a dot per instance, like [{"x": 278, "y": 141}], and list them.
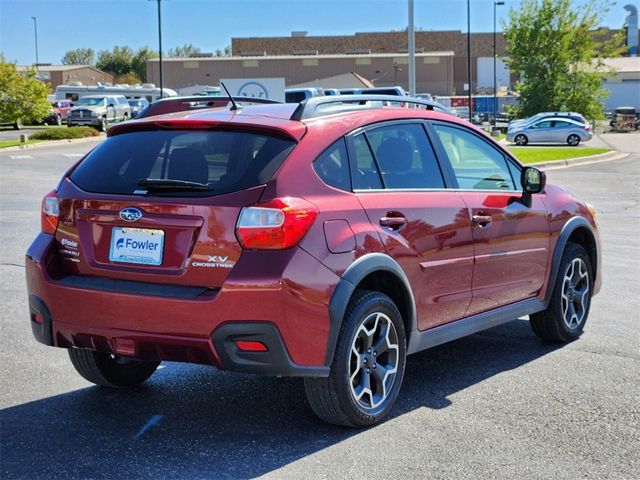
[
  {"x": 64, "y": 74},
  {"x": 434, "y": 70}
]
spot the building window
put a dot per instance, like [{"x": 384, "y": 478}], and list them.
[
  {"x": 363, "y": 61},
  {"x": 310, "y": 62},
  {"x": 431, "y": 60},
  {"x": 191, "y": 64},
  {"x": 250, "y": 63}
]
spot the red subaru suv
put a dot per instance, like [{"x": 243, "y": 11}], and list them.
[{"x": 326, "y": 240}]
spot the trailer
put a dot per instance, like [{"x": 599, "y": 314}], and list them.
[{"x": 75, "y": 90}]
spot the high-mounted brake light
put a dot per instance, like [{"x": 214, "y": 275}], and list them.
[
  {"x": 50, "y": 213},
  {"x": 278, "y": 224}
]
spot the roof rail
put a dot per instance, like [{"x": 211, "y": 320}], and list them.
[{"x": 312, "y": 107}]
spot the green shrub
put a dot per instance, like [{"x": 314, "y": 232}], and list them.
[{"x": 64, "y": 133}]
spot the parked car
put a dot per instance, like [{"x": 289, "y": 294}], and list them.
[
  {"x": 576, "y": 117},
  {"x": 551, "y": 131},
  {"x": 269, "y": 240},
  {"x": 197, "y": 102},
  {"x": 137, "y": 106},
  {"x": 16, "y": 124},
  {"x": 99, "y": 111},
  {"x": 59, "y": 112}
]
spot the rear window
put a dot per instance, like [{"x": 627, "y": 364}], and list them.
[{"x": 226, "y": 161}]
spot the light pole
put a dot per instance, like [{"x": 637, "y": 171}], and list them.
[
  {"x": 160, "y": 46},
  {"x": 35, "y": 29},
  {"x": 495, "y": 80},
  {"x": 412, "y": 52}
]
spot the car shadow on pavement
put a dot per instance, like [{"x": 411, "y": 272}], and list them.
[{"x": 195, "y": 422}]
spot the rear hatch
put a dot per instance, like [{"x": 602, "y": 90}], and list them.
[{"x": 161, "y": 205}]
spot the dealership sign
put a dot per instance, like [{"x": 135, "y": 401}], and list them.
[{"x": 271, "y": 88}]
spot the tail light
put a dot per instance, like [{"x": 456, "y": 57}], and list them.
[
  {"x": 50, "y": 213},
  {"x": 278, "y": 224}
]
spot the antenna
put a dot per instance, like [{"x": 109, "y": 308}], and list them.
[{"x": 234, "y": 106}]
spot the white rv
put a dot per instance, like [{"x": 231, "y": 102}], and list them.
[{"x": 76, "y": 90}]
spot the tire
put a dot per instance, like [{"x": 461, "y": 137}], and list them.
[
  {"x": 70, "y": 124},
  {"x": 564, "y": 319},
  {"x": 109, "y": 370},
  {"x": 521, "y": 140},
  {"x": 573, "y": 140},
  {"x": 103, "y": 126},
  {"x": 342, "y": 398}
]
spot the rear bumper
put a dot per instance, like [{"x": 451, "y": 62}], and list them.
[{"x": 150, "y": 322}]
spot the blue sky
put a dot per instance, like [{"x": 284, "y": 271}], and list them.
[{"x": 209, "y": 24}]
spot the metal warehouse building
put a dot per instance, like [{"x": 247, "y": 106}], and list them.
[{"x": 434, "y": 70}]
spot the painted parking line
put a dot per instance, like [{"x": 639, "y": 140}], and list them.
[
  {"x": 20, "y": 157},
  {"x": 73, "y": 155}
]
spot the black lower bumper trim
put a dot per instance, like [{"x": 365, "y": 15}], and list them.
[
  {"x": 131, "y": 287},
  {"x": 41, "y": 330},
  {"x": 275, "y": 361}
]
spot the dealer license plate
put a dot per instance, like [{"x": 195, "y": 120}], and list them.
[{"x": 136, "y": 245}]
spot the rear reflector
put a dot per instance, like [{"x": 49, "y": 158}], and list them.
[
  {"x": 38, "y": 318},
  {"x": 278, "y": 224},
  {"x": 247, "y": 346},
  {"x": 50, "y": 213}
]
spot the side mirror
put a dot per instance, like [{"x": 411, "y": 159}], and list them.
[{"x": 533, "y": 180}]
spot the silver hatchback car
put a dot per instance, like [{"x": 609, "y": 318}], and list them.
[{"x": 551, "y": 131}]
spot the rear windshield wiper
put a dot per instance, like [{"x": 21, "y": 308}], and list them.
[{"x": 171, "y": 185}]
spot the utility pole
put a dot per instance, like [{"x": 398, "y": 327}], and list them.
[
  {"x": 412, "y": 52},
  {"x": 160, "y": 46},
  {"x": 495, "y": 56},
  {"x": 35, "y": 29},
  {"x": 469, "y": 55}
]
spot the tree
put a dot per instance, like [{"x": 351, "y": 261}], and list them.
[
  {"x": 139, "y": 62},
  {"x": 185, "y": 51},
  {"x": 117, "y": 62},
  {"x": 218, "y": 52},
  {"x": 557, "y": 52},
  {"x": 227, "y": 51},
  {"x": 129, "y": 78},
  {"x": 22, "y": 96},
  {"x": 79, "y": 56}
]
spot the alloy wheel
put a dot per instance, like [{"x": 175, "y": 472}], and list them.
[
  {"x": 573, "y": 140},
  {"x": 575, "y": 293},
  {"x": 373, "y": 362}
]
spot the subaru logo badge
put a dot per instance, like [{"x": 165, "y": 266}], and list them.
[{"x": 130, "y": 214}]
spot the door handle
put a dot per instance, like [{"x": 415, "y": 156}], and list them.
[
  {"x": 482, "y": 221},
  {"x": 394, "y": 223}
]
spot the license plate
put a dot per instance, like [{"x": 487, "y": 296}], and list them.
[{"x": 136, "y": 245}]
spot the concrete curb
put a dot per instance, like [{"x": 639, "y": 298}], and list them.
[
  {"x": 53, "y": 143},
  {"x": 570, "y": 162}
]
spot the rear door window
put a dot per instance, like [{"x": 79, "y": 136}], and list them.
[
  {"x": 226, "y": 161},
  {"x": 405, "y": 157}
]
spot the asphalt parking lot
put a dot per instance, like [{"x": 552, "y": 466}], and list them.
[{"x": 499, "y": 404}]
